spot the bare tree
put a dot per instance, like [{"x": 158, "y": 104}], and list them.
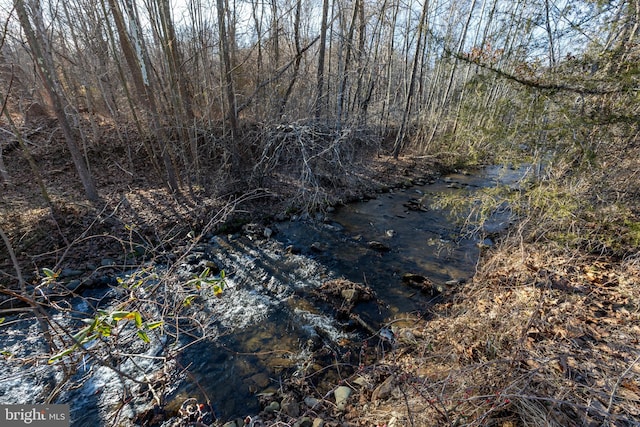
[
  {"x": 399, "y": 143},
  {"x": 33, "y": 27},
  {"x": 227, "y": 71},
  {"x": 385, "y": 65},
  {"x": 297, "y": 60},
  {"x": 320, "y": 102},
  {"x": 138, "y": 67}
]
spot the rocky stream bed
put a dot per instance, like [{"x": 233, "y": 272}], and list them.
[{"x": 307, "y": 300}]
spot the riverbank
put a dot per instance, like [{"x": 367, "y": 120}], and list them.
[
  {"x": 538, "y": 337},
  {"x": 544, "y": 334},
  {"x": 86, "y": 248},
  {"x": 73, "y": 234}
]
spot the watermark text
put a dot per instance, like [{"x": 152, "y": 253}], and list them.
[{"x": 34, "y": 415}]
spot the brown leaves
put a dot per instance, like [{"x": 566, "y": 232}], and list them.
[
  {"x": 555, "y": 334},
  {"x": 600, "y": 274}
]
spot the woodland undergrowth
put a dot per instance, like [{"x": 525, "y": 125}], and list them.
[{"x": 546, "y": 332}]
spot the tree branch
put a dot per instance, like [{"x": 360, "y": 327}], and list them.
[
  {"x": 276, "y": 76},
  {"x": 538, "y": 84}
]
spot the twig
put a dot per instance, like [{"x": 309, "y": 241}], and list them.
[
  {"x": 620, "y": 378},
  {"x": 406, "y": 403},
  {"x": 123, "y": 169}
]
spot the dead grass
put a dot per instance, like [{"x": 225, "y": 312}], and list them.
[
  {"x": 547, "y": 332},
  {"x": 290, "y": 169},
  {"x": 544, "y": 335},
  {"x": 538, "y": 338}
]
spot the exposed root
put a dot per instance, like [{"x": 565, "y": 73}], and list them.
[{"x": 537, "y": 339}]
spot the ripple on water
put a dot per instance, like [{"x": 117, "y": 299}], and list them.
[{"x": 261, "y": 325}]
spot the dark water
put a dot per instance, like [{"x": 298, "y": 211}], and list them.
[
  {"x": 420, "y": 240},
  {"x": 267, "y": 323}
]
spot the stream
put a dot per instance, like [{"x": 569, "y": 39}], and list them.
[{"x": 270, "y": 318}]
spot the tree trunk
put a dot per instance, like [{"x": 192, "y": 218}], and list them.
[
  {"x": 399, "y": 143},
  {"x": 298, "y": 58},
  {"x": 139, "y": 71},
  {"x": 321, "y": 57},
  {"x": 347, "y": 62},
  {"x": 552, "y": 49},
  {"x": 44, "y": 65},
  {"x": 444, "y": 107},
  {"x": 227, "y": 72},
  {"x": 391, "y": 49}
]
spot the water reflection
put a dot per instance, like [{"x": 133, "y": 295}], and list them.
[
  {"x": 409, "y": 238},
  {"x": 270, "y": 319}
]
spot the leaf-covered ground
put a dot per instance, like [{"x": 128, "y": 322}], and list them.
[
  {"x": 544, "y": 334},
  {"x": 537, "y": 338},
  {"x": 137, "y": 209}
]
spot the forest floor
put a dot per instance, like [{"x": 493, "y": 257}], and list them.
[
  {"x": 542, "y": 335},
  {"x": 136, "y": 208}
]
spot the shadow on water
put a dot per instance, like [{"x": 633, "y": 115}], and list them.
[
  {"x": 373, "y": 242},
  {"x": 269, "y": 319}
]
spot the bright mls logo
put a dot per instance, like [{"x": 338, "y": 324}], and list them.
[{"x": 34, "y": 415}]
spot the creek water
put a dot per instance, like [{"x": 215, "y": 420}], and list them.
[
  {"x": 268, "y": 321},
  {"x": 278, "y": 316}
]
